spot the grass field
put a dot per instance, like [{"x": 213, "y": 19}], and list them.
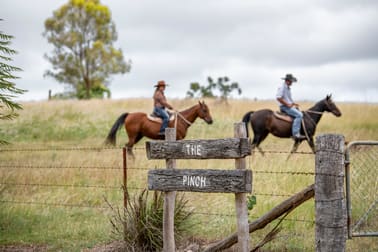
[{"x": 54, "y": 176}]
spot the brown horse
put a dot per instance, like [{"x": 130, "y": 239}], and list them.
[
  {"x": 138, "y": 125},
  {"x": 265, "y": 121}
]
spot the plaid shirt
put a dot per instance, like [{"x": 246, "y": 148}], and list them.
[{"x": 160, "y": 101}]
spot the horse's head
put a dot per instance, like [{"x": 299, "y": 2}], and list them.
[
  {"x": 330, "y": 106},
  {"x": 204, "y": 112}
]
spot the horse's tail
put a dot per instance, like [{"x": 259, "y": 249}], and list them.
[
  {"x": 111, "y": 138},
  {"x": 246, "y": 120}
]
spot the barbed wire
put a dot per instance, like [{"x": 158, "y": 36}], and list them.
[
  {"x": 59, "y": 204},
  {"x": 51, "y": 204},
  {"x": 17, "y": 166},
  {"x": 52, "y": 148},
  {"x": 118, "y": 187},
  {"x": 60, "y": 185},
  {"x": 284, "y": 172},
  {"x": 282, "y": 152}
]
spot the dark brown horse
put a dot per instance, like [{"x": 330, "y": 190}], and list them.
[
  {"x": 265, "y": 121},
  {"x": 138, "y": 125}
]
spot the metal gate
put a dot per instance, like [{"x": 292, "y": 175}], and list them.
[{"x": 361, "y": 169}]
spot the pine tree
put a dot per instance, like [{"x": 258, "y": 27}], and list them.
[{"x": 8, "y": 89}]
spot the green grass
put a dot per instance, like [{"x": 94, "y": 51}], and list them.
[
  {"x": 45, "y": 138},
  {"x": 57, "y": 227}
]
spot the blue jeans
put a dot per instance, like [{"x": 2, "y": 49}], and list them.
[
  {"x": 293, "y": 112},
  {"x": 163, "y": 114}
]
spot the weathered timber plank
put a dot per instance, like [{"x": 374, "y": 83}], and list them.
[
  {"x": 226, "y": 148},
  {"x": 197, "y": 180}
]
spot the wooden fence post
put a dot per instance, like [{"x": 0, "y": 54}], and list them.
[
  {"x": 125, "y": 190},
  {"x": 330, "y": 204},
  {"x": 169, "y": 203},
  {"x": 241, "y": 198}
]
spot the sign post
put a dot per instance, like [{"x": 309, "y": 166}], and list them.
[
  {"x": 170, "y": 180},
  {"x": 241, "y": 197},
  {"x": 169, "y": 203}
]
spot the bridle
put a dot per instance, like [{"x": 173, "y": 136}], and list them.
[
  {"x": 312, "y": 120},
  {"x": 178, "y": 114}
]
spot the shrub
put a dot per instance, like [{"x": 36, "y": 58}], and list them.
[{"x": 141, "y": 223}]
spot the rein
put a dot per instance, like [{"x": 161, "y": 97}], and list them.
[
  {"x": 314, "y": 112},
  {"x": 183, "y": 118},
  {"x": 177, "y": 113},
  {"x": 312, "y": 121},
  {"x": 305, "y": 131},
  {"x": 304, "y": 125}
]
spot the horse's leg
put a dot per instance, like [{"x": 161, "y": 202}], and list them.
[
  {"x": 294, "y": 148},
  {"x": 130, "y": 151},
  {"x": 129, "y": 147},
  {"x": 312, "y": 145},
  {"x": 255, "y": 144},
  {"x": 261, "y": 150},
  {"x": 131, "y": 143},
  {"x": 257, "y": 139}
]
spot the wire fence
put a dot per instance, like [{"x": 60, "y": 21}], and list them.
[
  {"x": 362, "y": 188},
  {"x": 27, "y": 173},
  {"x": 81, "y": 177}
]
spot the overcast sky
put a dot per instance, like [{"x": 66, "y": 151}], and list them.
[{"x": 330, "y": 46}]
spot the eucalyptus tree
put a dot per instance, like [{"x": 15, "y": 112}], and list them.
[
  {"x": 84, "y": 57},
  {"x": 223, "y": 85}
]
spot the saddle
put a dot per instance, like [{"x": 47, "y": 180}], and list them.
[
  {"x": 154, "y": 118},
  {"x": 283, "y": 116}
]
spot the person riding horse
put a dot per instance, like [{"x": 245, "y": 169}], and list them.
[
  {"x": 160, "y": 103},
  {"x": 288, "y": 106}
]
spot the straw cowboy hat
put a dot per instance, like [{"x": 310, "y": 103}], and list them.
[
  {"x": 290, "y": 77},
  {"x": 161, "y": 84}
]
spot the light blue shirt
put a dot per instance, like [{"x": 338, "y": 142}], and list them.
[{"x": 284, "y": 92}]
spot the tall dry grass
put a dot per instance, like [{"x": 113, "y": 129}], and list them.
[{"x": 52, "y": 125}]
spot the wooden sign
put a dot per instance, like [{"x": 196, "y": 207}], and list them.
[
  {"x": 199, "y": 149},
  {"x": 198, "y": 180}
]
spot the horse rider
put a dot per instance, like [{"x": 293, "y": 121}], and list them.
[
  {"x": 160, "y": 103},
  {"x": 288, "y": 106}
]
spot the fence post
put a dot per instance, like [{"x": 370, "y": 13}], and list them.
[
  {"x": 125, "y": 191},
  {"x": 241, "y": 198},
  {"x": 169, "y": 203},
  {"x": 330, "y": 204}
]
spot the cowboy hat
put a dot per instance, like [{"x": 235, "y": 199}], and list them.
[
  {"x": 290, "y": 77},
  {"x": 161, "y": 83}
]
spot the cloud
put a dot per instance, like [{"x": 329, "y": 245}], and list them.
[{"x": 329, "y": 45}]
